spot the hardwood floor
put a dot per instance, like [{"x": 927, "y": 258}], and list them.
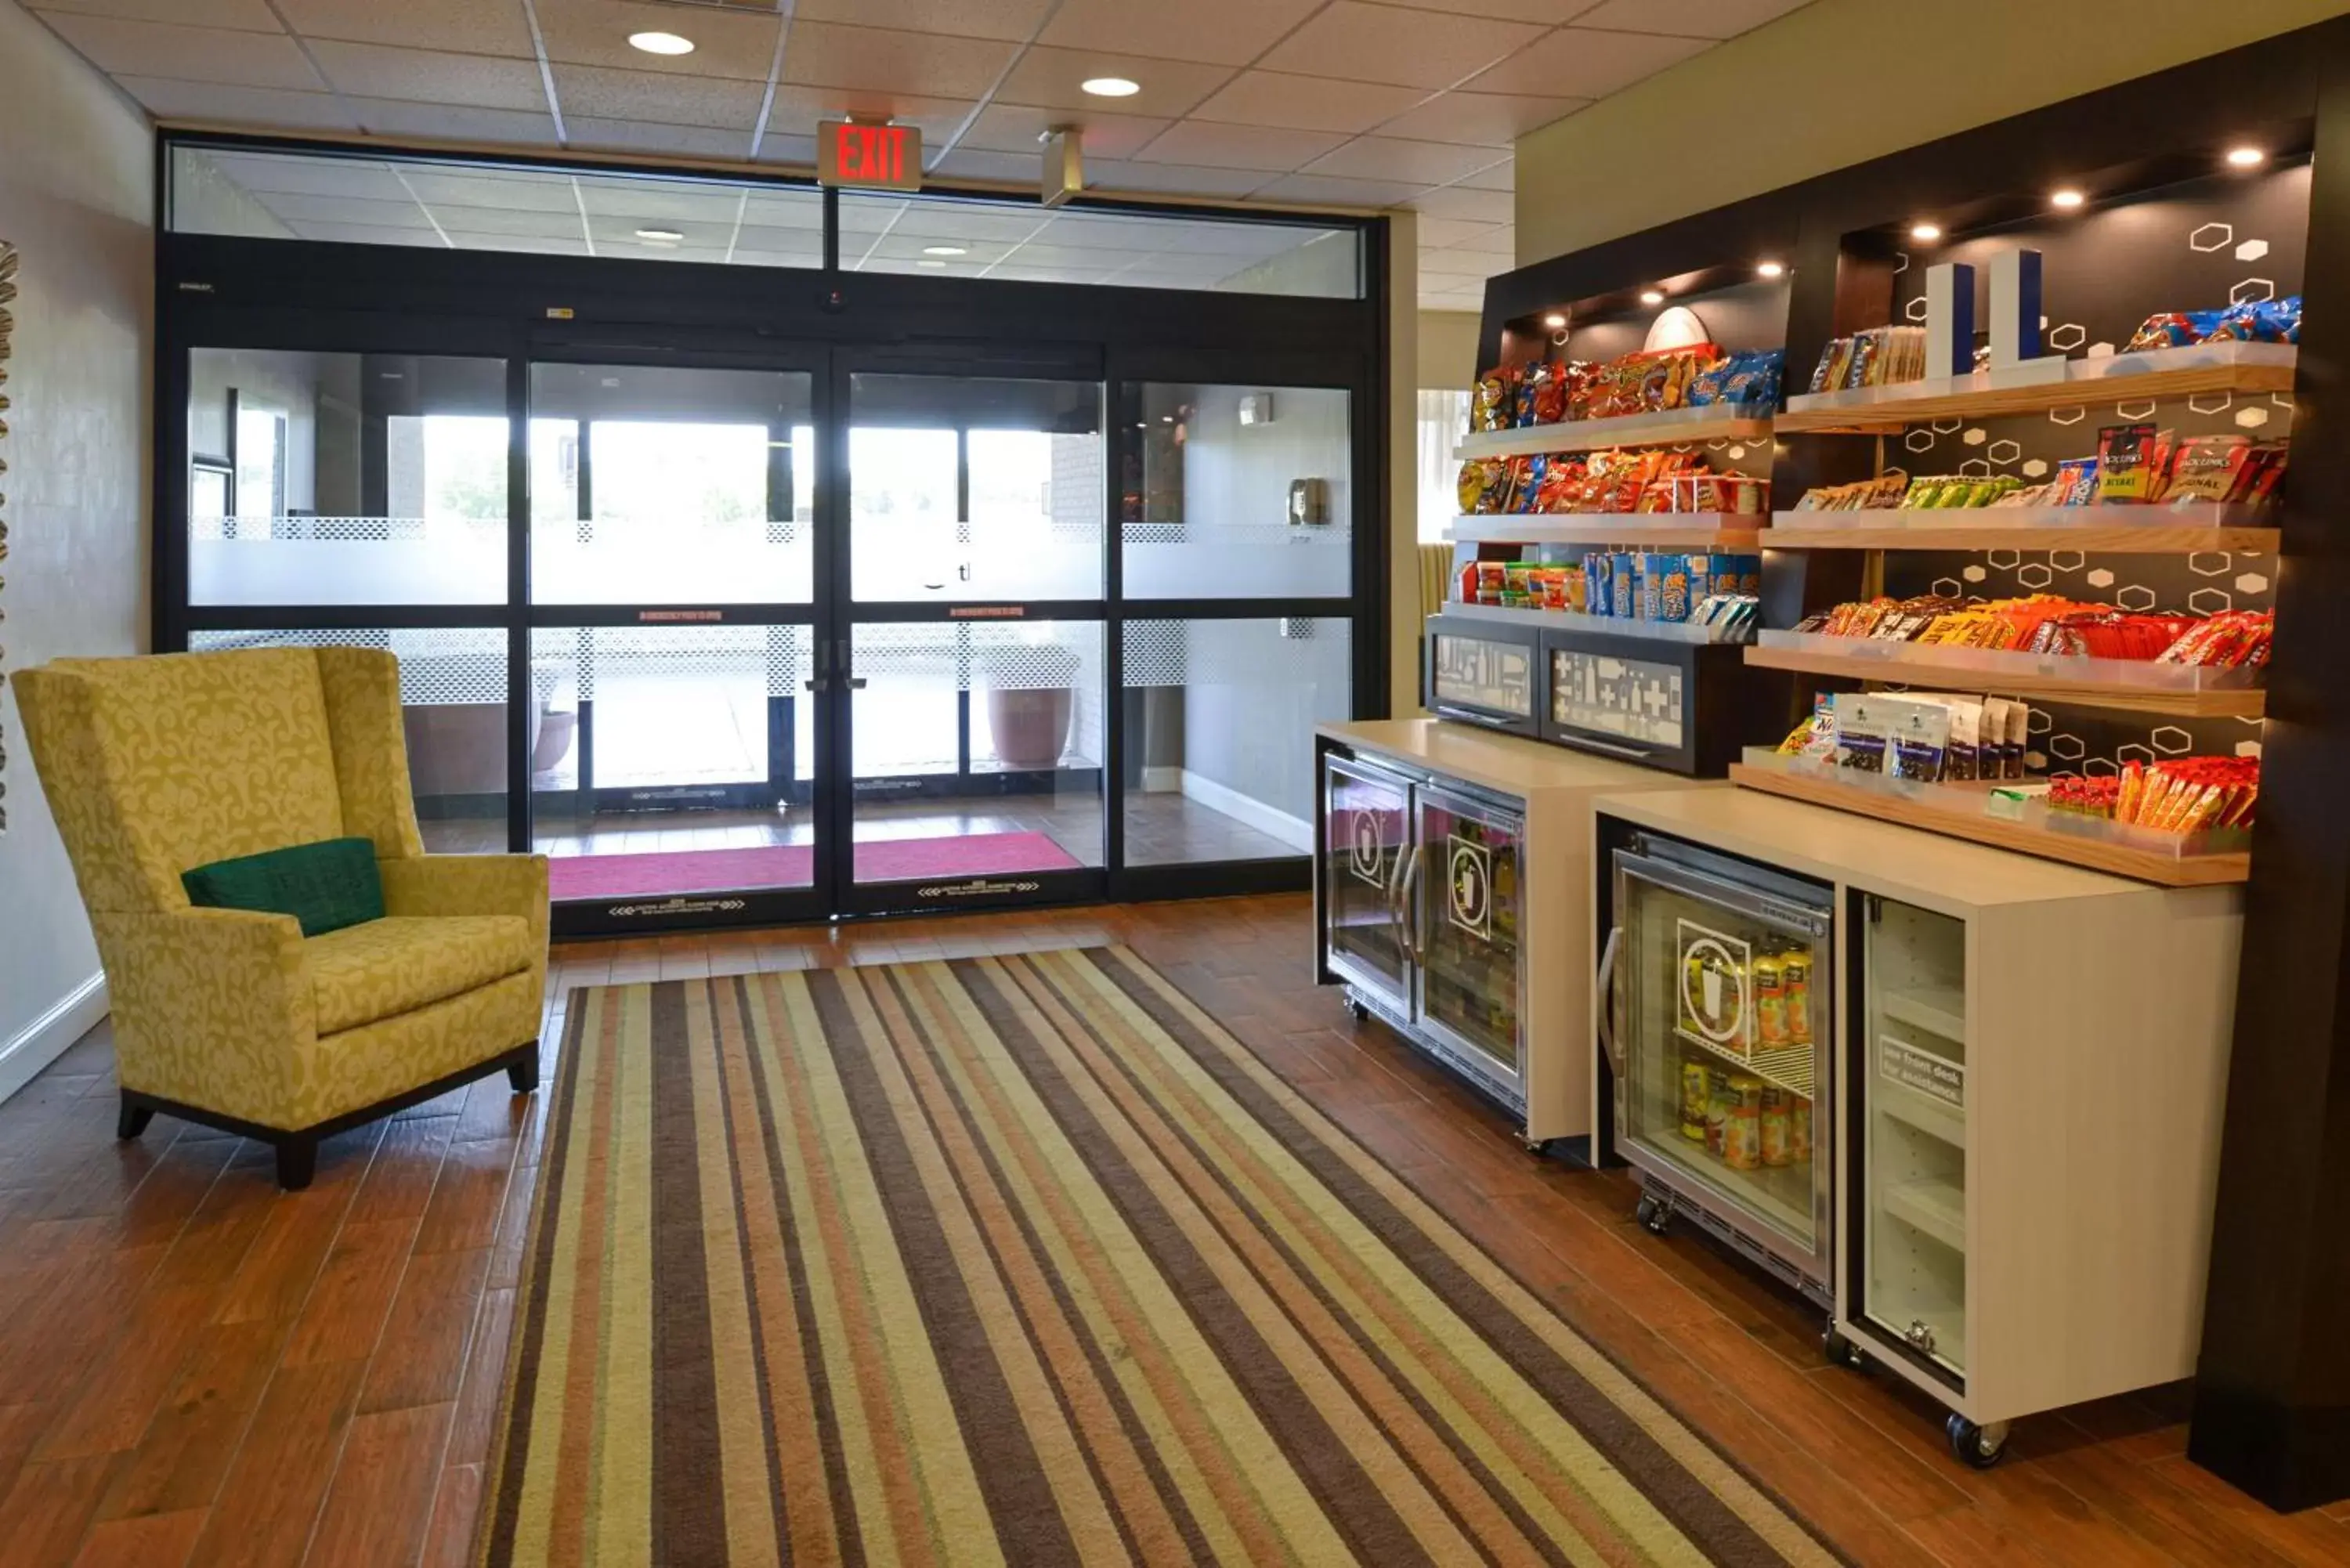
[{"x": 196, "y": 1368}]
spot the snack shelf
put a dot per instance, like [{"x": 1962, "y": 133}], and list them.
[
  {"x": 2111, "y": 529},
  {"x": 2029, "y": 827},
  {"x": 1672, "y": 427},
  {"x": 1728, "y": 532},
  {"x": 2127, "y": 378},
  {"x": 2141, "y": 686},
  {"x": 1575, "y": 620}
]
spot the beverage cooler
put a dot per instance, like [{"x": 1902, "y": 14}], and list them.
[
  {"x": 1717, "y": 987},
  {"x": 1968, "y": 1100}
]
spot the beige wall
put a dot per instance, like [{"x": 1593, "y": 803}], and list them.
[
  {"x": 77, "y": 194},
  {"x": 1448, "y": 350},
  {"x": 1840, "y": 82}
]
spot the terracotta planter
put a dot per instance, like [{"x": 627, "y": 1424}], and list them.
[{"x": 1031, "y": 728}]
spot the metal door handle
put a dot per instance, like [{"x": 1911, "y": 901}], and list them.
[
  {"x": 1410, "y": 907},
  {"x": 855, "y": 683},
  {"x": 1607, "y": 988}
]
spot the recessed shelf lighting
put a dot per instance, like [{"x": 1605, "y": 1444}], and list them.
[
  {"x": 1110, "y": 86},
  {"x": 2066, "y": 199},
  {"x": 659, "y": 236},
  {"x": 1770, "y": 269},
  {"x": 661, "y": 42},
  {"x": 2247, "y": 157},
  {"x": 945, "y": 251},
  {"x": 1652, "y": 296},
  {"x": 1555, "y": 322},
  {"x": 1928, "y": 232}
]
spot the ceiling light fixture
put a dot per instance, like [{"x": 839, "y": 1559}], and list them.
[
  {"x": 661, "y": 42},
  {"x": 659, "y": 236},
  {"x": 930, "y": 264},
  {"x": 1555, "y": 322},
  {"x": 1928, "y": 232},
  {"x": 2247, "y": 157},
  {"x": 944, "y": 251},
  {"x": 2067, "y": 200},
  {"x": 1110, "y": 86},
  {"x": 1652, "y": 296},
  {"x": 1770, "y": 269}
]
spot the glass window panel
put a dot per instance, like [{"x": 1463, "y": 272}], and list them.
[
  {"x": 1238, "y": 492},
  {"x": 674, "y": 774},
  {"x": 346, "y": 479},
  {"x": 978, "y": 749},
  {"x": 660, "y": 485},
  {"x": 1020, "y": 518},
  {"x": 452, "y": 706},
  {"x": 1213, "y": 712}
]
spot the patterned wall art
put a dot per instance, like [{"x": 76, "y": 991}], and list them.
[
  {"x": 7, "y": 334},
  {"x": 2204, "y": 243}
]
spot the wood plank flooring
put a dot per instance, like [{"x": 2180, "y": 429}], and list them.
[{"x": 196, "y": 1368}]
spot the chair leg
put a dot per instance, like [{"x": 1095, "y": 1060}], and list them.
[
  {"x": 131, "y": 1120},
  {"x": 297, "y": 1161},
  {"x": 524, "y": 1075}
]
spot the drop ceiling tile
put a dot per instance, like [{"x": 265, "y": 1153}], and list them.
[
  {"x": 1048, "y": 78},
  {"x": 796, "y": 151},
  {"x": 651, "y": 136},
  {"x": 449, "y": 123},
  {"x": 365, "y": 234},
  {"x": 869, "y": 215},
  {"x": 617, "y": 236},
  {"x": 489, "y": 221},
  {"x": 363, "y": 178},
  {"x": 961, "y": 222},
  {"x": 602, "y": 94},
  {"x": 189, "y": 54},
  {"x": 824, "y": 54},
  {"x": 797, "y": 212},
  {"x": 1392, "y": 158},
  {"x": 730, "y": 43},
  {"x": 1438, "y": 232},
  {"x": 1171, "y": 179},
  {"x": 1584, "y": 62},
  {"x": 778, "y": 241},
  {"x": 1074, "y": 255},
  {"x": 1218, "y": 32},
  {"x": 663, "y": 204},
  {"x": 1305, "y": 103},
  {"x": 1241, "y": 146},
  {"x": 1325, "y": 189},
  {"x": 1480, "y": 118},
  {"x": 1691, "y": 18},
  {"x": 466, "y": 240},
  {"x": 1014, "y": 127},
  {"x": 239, "y": 104},
  {"x": 299, "y": 211},
  {"x": 1012, "y": 20},
  {"x": 449, "y": 194},
  {"x": 774, "y": 258},
  {"x": 1459, "y": 202},
  {"x": 1363, "y": 43},
  {"x": 467, "y": 26},
  {"x": 1499, "y": 240},
  {"x": 1051, "y": 274},
  {"x": 1502, "y": 176},
  {"x": 475, "y": 81},
  {"x": 799, "y": 110},
  {"x": 975, "y": 252},
  {"x": 978, "y": 163},
  {"x": 252, "y": 16},
  {"x": 1471, "y": 263}
]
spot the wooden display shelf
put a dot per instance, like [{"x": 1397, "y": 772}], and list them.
[
  {"x": 1730, "y": 533},
  {"x": 1689, "y": 633},
  {"x": 2024, "y": 837},
  {"x": 1888, "y": 413},
  {"x": 2024, "y": 678},
  {"x": 2126, "y": 539},
  {"x": 1673, "y": 427}
]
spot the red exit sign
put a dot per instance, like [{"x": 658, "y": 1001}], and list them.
[{"x": 888, "y": 157}]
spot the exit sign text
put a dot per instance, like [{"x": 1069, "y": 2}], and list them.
[{"x": 886, "y": 157}]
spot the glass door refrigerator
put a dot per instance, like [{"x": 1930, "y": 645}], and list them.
[{"x": 1717, "y": 1018}]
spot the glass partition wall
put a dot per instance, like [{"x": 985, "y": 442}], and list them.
[{"x": 744, "y": 603}]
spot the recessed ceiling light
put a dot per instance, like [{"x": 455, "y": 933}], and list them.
[
  {"x": 2247, "y": 157},
  {"x": 2068, "y": 199},
  {"x": 930, "y": 264},
  {"x": 1770, "y": 269},
  {"x": 659, "y": 236},
  {"x": 1928, "y": 232},
  {"x": 1652, "y": 296},
  {"x": 1110, "y": 86},
  {"x": 661, "y": 42},
  {"x": 945, "y": 251},
  {"x": 1555, "y": 322}
]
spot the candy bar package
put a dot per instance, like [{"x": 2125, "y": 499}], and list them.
[
  {"x": 1918, "y": 740},
  {"x": 2128, "y": 458},
  {"x": 1861, "y": 732}
]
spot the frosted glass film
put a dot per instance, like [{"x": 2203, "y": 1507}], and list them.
[{"x": 1239, "y": 493}]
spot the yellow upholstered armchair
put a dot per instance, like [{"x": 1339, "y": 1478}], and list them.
[{"x": 157, "y": 765}]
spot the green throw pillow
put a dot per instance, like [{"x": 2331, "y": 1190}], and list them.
[{"x": 325, "y": 886}]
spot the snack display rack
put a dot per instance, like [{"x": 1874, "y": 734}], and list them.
[
  {"x": 1671, "y": 427},
  {"x": 2148, "y": 375},
  {"x": 1690, "y": 632},
  {"x": 2142, "y": 686},
  {"x": 2108, "y": 530},
  {"x": 1729, "y": 531}
]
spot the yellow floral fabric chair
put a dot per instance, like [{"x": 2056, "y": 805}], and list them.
[{"x": 232, "y": 1018}]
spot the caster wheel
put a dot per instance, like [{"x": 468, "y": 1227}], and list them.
[
  {"x": 1839, "y": 1350},
  {"x": 1653, "y": 1216},
  {"x": 1535, "y": 1146},
  {"x": 1978, "y": 1447},
  {"x": 1358, "y": 1010}
]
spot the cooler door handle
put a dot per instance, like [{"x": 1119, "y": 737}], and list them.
[
  {"x": 1606, "y": 990},
  {"x": 1409, "y": 906}
]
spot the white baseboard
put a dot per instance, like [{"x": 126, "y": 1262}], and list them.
[
  {"x": 1294, "y": 832},
  {"x": 1162, "y": 780},
  {"x": 46, "y": 1038}
]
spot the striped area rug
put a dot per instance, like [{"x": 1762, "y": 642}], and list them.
[{"x": 1026, "y": 1261}]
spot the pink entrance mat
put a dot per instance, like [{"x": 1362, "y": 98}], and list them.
[{"x": 793, "y": 865}]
